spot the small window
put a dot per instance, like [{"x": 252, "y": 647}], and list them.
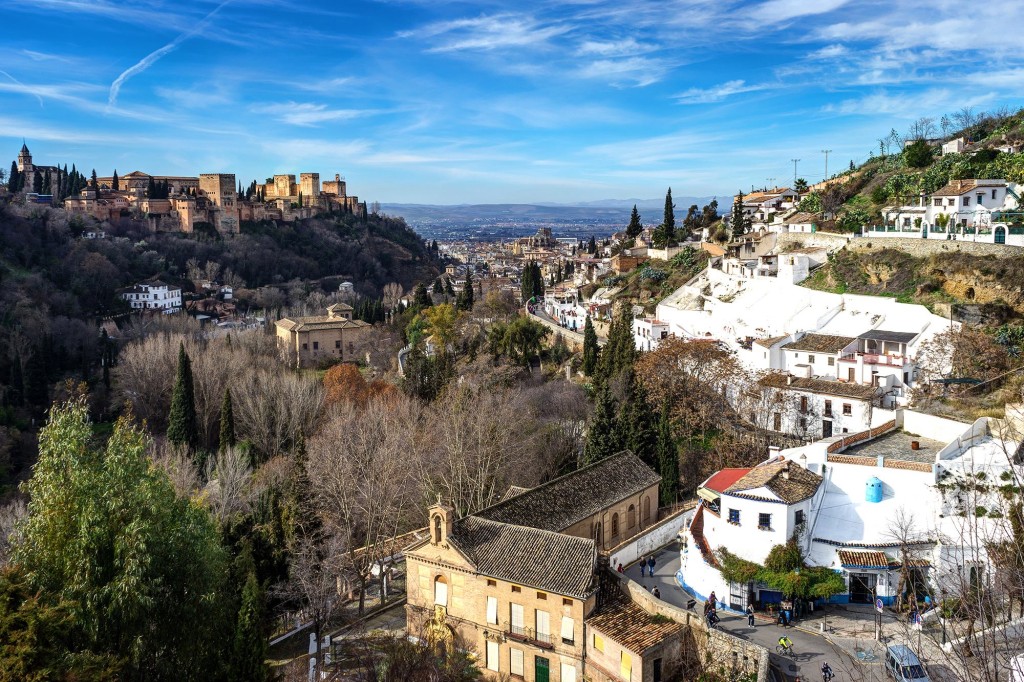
[
  {"x": 492, "y": 583},
  {"x": 568, "y": 630},
  {"x": 516, "y": 662},
  {"x": 516, "y": 588},
  {"x": 847, "y": 409},
  {"x": 734, "y": 516},
  {"x": 492, "y": 610},
  {"x": 625, "y": 666},
  {"x": 566, "y": 601},
  {"x": 802, "y": 422},
  {"x": 803, "y": 404},
  {"x": 440, "y": 591},
  {"x": 598, "y": 643},
  {"x": 994, "y": 194},
  {"x": 492, "y": 656},
  {"x": 615, "y": 525},
  {"x": 305, "y": 346},
  {"x": 828, "y": 408},
  {"x": 967, "y": 201},
  {"x": 316, "y": 345},
  {"x": 799, "y": 518},
  {"x": 810, "y": 359},
  {"x": 831, "y": 362},
  {"x": 764, "y": 521},
  {"x": 337, "y": 343},
  {"x": 542, "y": 596}
]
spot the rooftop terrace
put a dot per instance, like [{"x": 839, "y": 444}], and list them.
[{"x": 898, "y": 445}]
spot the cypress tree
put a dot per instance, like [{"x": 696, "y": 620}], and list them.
[
  {"x": 37, "y": 390},
  {"x": 449, "y": 290},
  {"x": 592, "y": 245},
  {"x": 603, "y": 438},
  {"x": 37, "y": 183},
  {"x": 250, "y": 646},
  {"x": 465, "y": 300},
  {"x": 93, "y": 182},
  {"x": 115, "y": 184},
  {"x": 591, "y": 351},
  {"x": 638, "y": 423},
  {"x": 668, "y": 459},
  {"x": 739, "y": 220},
  {"x": 12, "y": 178},
  {"x": 227, "y": 422},
  {"x": 438, "y": 287},
  {"x": 181, "y": 426},
  {"x": 668, "y": 223},
  {"x": 421, "y": 297},
  {"x": 634, "y": 228}
]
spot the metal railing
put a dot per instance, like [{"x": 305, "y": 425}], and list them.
[{"x": 525, "y": 634}]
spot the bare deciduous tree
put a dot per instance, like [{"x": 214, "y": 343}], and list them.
[{"x": 392, "y": 295}]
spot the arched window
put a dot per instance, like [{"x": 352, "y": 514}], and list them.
[
  {"x": 440, "y": 591},
  {"x": 647, "y": 509},
  {"x": 615, "y": 525},
  {"x": 631, "y": 517},
  {"x": 437, "y": 529}
]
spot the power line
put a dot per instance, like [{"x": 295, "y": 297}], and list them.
[
  {"x": 795, "y": 162},
  {"x": 826, "y": 152}
]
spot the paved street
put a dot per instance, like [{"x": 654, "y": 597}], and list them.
[{"x": 842, "y": 653}]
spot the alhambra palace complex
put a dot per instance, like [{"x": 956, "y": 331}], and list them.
[{"x": 211, "y": 198}]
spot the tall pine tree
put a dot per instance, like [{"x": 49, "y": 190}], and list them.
[
  {"x": 250, "y": 646},
  {"x": 635, "y": 227},
  {"x": 668, "y": 459},
  {"x": 227, "y": 422},
  {"x": 668, "y": 222},
  {"x": 181, "y": 426},
  {"x": 638, "y": 423},
  {"x": 115, "y": 183},
  {"x": 591, "y": 351},
  {"x": 603, "y": 437},
  {"x": 739, "y": 218}
]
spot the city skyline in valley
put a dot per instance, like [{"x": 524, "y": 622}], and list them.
[{"x": 455, "y": 102}]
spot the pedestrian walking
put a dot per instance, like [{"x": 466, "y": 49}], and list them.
[
  {"x": 713, "y": 599},
  {"x": 619, "y": 569},
  {"x": 650, "y": 565},
  {"x": 750, "y": 615},
  {"x": 643, "y": 567},
  {"x": 707, "y": 607}
]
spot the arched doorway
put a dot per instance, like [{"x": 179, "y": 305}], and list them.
[{"x": 1000, "y": 235}]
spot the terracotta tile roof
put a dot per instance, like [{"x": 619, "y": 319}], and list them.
[
  {"x": 955, "y": 188},
  {"x": 564, "y": 501},
  {"x": 720, "y": 481},
  {"x": 563, "y": 564},
  {"x": 512, "y": 491},
  {"x": 798, "y": 485},
  {"x": 697, "y": 532},
  {"x": 300, "y": 324},
  {"x": 821, "y": 343},
  {"x": 621, "y": 619},
  {"x": 864, "y": 559},
  {"x": 771, "y": 340},
  {"x": 801, "y": 218},
  {"x": 843, "y": 389}
]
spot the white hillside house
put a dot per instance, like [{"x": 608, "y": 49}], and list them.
[
  {"x": 971, "y": 210},
  {"x": 156, "y": 296},
  {"x": 866, "y": 504}
]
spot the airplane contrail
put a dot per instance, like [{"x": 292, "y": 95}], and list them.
[
  {"x": 27, "y": 88},
  {"x": 149, "y": 59}
]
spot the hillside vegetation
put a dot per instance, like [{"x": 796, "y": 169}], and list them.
[{"x": 905, "y": 166}]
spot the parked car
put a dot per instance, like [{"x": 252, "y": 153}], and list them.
[{"x": 904, "y": 665}]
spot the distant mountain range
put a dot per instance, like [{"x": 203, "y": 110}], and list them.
[{"x": 501, "y": 221}]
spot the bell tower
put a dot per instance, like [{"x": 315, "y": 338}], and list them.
[
  {"x": 25, "y": 167},
  {"x": 442, "y": 518}
]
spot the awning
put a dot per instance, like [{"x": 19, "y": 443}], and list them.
[
  {"x": 872, "y": 560},
  {"x": 708, "y": 494}
]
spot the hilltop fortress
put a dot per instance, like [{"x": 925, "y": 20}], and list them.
[{"x": 185, "y": 203}]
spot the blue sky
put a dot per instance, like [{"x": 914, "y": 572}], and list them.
[{"x": 437, "y": 101}]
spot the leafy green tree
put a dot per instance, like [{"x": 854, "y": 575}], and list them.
[
  {"x": 520, "y": 341},
  {"x": 140, "y": 569},
  {"x": 465, "y": 299},
  {"x": 603, "y": 436},
  {"x": 250, "y": 646},
  {"x": 709, "y": 214},
  {"x": 635, "y": 227},
  {"x": 181, "y": 425},
  {"x": 918, "y": 154},
  {"x": 668, "y": 458},
  {"x": 591, "y": 351},
  {"x": 37, "y": 637},
  {"x": 227, "y": 422},
  {"x": 800, "y": 185}
]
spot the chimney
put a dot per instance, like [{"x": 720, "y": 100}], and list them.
[
  {"x": 785, "y": 470},
  {"x": 789, "y": 379},
  {"x": 773, "y": 451}
]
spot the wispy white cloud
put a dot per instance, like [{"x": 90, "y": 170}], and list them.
[
  {"x": 152, "y": 57},
  {"x": 717, "y": 93},
  {"x": 485, "y": 33},
  {"x": 778, "y": 11},
  {"x": 307, "y": 113},
  {"x": 24, "y": 88},
  {"x": 833, "y": 51},
  {"x": 613, "y": 48},
  {"x": 638, "y": 71}
]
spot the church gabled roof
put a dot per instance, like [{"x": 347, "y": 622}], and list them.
[{"x": 24, "y": 147}]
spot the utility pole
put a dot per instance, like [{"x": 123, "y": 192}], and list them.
[
  {"x": 771, "y": 183},
  {"x": 795, "y": 162},
  {"x": 826, "y": 152}
]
